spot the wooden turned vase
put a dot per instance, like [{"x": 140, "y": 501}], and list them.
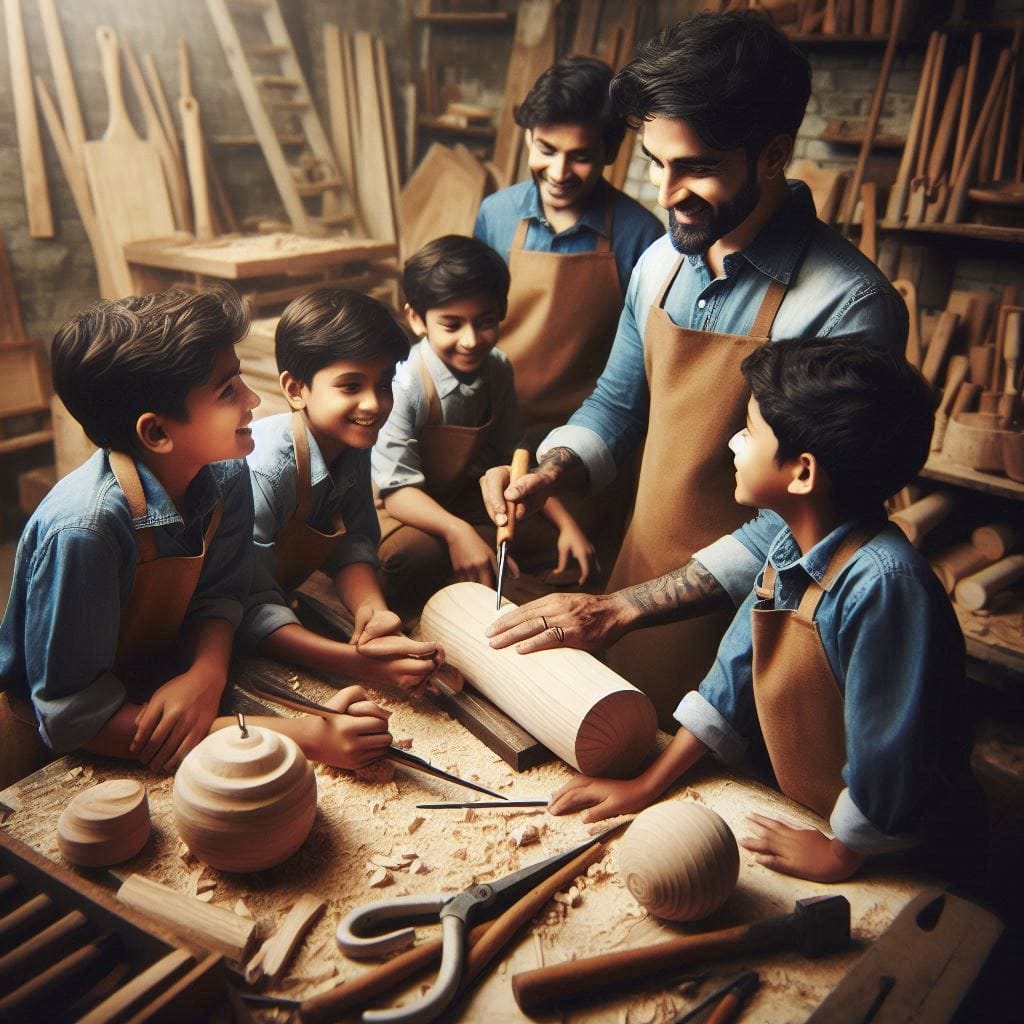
[
  {"x": 105, "y": 824},
  {"x": 679, "y": 860},
  {"x": 244, "y": 802}
]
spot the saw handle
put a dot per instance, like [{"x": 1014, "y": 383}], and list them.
[{"x": 519, "y": 468}]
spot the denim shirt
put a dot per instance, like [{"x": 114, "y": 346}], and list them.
[
  {"x": 465, "y": 402},
  {"x": 74, "y": 571},
  {"x": 340, "y": 489},
  {"x": 897, "y": 653},
  {"x": 634, "y": 227},
  {"x": 833, "y": 290}
]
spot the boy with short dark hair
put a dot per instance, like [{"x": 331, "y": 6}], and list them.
[
  {"x": 314, "y": 508},
  {"x": 131, "y": 575},
  {"x": 843, "y": 673},
  {"x": 455, "y": 409}
]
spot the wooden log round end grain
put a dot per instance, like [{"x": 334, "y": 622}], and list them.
[
  {"x": 923, "y": 515},
  {"x": 953, "y": 564},
  {"x": 975, "y": 592},
  {"x": 106, "y": 824},
  {"x": 994, "y": 540},
  {"x": 244, "y": 803},
  {"x": 580, "y": 709},
  {"x": 679, "y": 860}
]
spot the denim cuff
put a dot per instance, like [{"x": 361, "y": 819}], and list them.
[
  {"x": 216, "y": 608},
  {"x": 262, "y": 620},
  {"x": 853, "y": 830},
  {"x": 68, "y": 723},
  {"x": 732, "y": 564},
  {"x": 349, "y": 551},
  {"x": 703, "y": 720}
]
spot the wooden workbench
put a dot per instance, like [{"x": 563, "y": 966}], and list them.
[{"x": 360, "y": 818}]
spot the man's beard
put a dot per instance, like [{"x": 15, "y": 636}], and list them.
[{"x": 696, "y": 239}]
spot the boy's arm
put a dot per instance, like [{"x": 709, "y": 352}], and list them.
[
  {"x": 471, "y": 557},
  {"x": 605, "y": 798}
]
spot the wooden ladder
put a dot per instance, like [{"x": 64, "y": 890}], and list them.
[{"x": 285, "y": 94}]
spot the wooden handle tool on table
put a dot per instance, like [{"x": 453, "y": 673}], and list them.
[
  {"x": 817, "y": 926},
  {"x": 519, "y": 468}
]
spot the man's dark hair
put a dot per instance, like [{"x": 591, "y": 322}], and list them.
[
  {"x": 454, "y": 267},
  {"x": 117, "y": 360},
  {"x": 864, "y": 413},
  {"x": 575, "y": 91},
  {"x": 734, "y": 78},
  {"x": 328, "y": 325}
]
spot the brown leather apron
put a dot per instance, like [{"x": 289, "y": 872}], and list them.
[
  {"x": 563, "y": 311},
  {"x": 151, "y": 621},
  {"x": 799, "y": 703},
  {"x": 301, "y": 549},
  {"x": 685, "y": 494}
]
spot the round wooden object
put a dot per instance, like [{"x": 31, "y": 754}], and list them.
[
  {"x": 995, "y": 539},
  {"x": 580, "y": 709},
  {"x": 953, "y": 564},
  {"x": 106, "y": 824},
  {"x": 1013, "y": 454},
  {"x": 679, "y": 860},
  {"x": 244, "y": 803},
  {"x": 972, "y": 439},
  {"x": 923, "y": 515},
  {"x": 974, "y": 592}
]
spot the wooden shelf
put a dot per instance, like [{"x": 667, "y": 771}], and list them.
[
  {"x": 844, "y": 38},
  {"x": 978, "y": 232},
  {"x": 470, "y": 131},
  {"x": 466, "y": 19},
  {"x": 840, "y": 133},
  {"x": 941, "y": 469}
]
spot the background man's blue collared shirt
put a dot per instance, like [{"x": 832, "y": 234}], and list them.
[
  {"x": 342, "y": 489},
  {"x": 634, "y": 227},
  {"x": 897, "y": 653},
  {"x": 74, "y": 571}
]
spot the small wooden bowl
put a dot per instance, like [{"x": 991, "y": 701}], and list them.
[
  {"x": 973, "y": 439},
  {"x": 244, "y": 802},
  {"x": 106, "y": 824},
  {"x": 1013, "y": 454},
  {"x": 680, "y": 860}
]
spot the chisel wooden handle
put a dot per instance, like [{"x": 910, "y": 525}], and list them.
[{"x": 519, "y": 468}]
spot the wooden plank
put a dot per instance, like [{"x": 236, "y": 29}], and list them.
[
  {"x": 338, "y": 116},
  {"x": 584, "y": 40},
  {"x": 11, "y": 326},
  {"x": 387, "y": 111},
  {"x": 67, "y": 96},
  {"x": 533, "y": 51},
  {"x": 375, "y": 198},
  {"x": 30, "y": 148},
  {"x": 201, "y": 216}
]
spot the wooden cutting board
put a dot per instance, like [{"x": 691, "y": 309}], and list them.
[{"x": 125, "y": 175}]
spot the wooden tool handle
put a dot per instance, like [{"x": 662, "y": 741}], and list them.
[
  {"x": 519, "y": 468},
  {"x": 956, "y": 374},
  {"x": 537, "y": 990},
  {"x": 938, "y": 346},
  {"x": 119, "y": 125},
  {"x": 193, "y": 135}
]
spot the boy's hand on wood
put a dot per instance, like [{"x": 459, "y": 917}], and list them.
[
  {"x": 472, "y": 558},
  {"x": 600, "y": 798},
  {"x": 358, "y": 737},
  {"x": 574, "y": 543},
  {"x": 801, "y": 852},
  {"x": 402, "y": 662},
  {"x": 175, "y": 719},
  {"x": 372, "y": 622}
]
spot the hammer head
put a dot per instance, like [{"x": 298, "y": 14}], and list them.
[{"x": 823, "y": 924}]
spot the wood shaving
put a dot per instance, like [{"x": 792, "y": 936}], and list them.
[
  {"x": 417, "y": 867},
  {"x": 206, "y": 885},
  {"x": 392, "y": 863},
  {"x": 525, "y": 835},
  {"x": 242, "y": 910},
  {"x": 414, "y": 823},
  {"x": 403, "y": 744},
  {"x": 205, "y": 897},
  {"x": 380, "y": 878}
]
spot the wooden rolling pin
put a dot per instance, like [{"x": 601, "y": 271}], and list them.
[
  {"x": 956, "y": 374},
  {"x": 975, "y": 592},
  {"x": 924, "y": 515},
  {"x": 909, "y": 295},
  {"x": 996, "y": 540},
  {"x": 953, "y": 564},
  {"x": 938, "y": 346},
  {"x": 1012, "y": 344}
]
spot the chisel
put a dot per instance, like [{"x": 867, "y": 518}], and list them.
[{"x": 520, "y": 466}]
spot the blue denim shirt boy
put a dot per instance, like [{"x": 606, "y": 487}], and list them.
[
  {"x": 74, "y": 570},
  {"x": 634, "y": 228},
  {"x": 341, "y": 490},
  {"x": 896, "y": 650}
]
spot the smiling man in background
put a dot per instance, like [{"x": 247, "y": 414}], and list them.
[{"x": 719, "y": 98}]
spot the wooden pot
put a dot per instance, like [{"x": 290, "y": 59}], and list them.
[
  {"x": 974, "y": 440},
  {"x": 244, "y": 802},
  {"x": 1013, "y": 454},
  {"x": 680, "y": 860},
  {"x": 577, "y": 707},
  {"x": 106, "y": 824}
]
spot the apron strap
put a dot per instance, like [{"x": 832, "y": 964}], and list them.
[
  {"x": 519, "y": 238},
  {"x": 604, "y": 242},
  {"x": 853, "y": 542},
  {"x": 213, "y": 525},
  {"x": 766, "y": 591},
  {"x": 434, "y": 415},
  {"x": 762, "y": 326},
  {"x": 127, "y": 476},
  {"x": 303, "y": 481}
]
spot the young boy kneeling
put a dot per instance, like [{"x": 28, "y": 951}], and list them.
[
  {"x": 131, "y": 575},
  {"x": 455, "y": 414},
  {"x": 843, "y": 673}
]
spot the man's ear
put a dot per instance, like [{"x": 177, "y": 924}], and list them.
[
  {"x": 415, "y": 321},
  {"x": 807, "y": 475},
  {"x": 292, "y": 388},
  {"x": 775, "y": 155},
  {"x": 152, "y": 435},
  {"x": 528, "y": 137}
]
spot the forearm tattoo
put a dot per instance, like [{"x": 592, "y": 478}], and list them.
[
  {"x": 685, "y": 593},
  {"x": 563, "y": 464}
]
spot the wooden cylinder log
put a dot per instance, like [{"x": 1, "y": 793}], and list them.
[
  {"x": 244, "y": 801},
  {"x": 953, "y": 564},
  {"x": 996, "y": 539},
  {"x": 680, "y": 860},
  {"x": 974, "y": 592},
  {"x": 923, "y": 515},
  {"x": 106, "y": 824},
  {"x": 577, "y": 707}
]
